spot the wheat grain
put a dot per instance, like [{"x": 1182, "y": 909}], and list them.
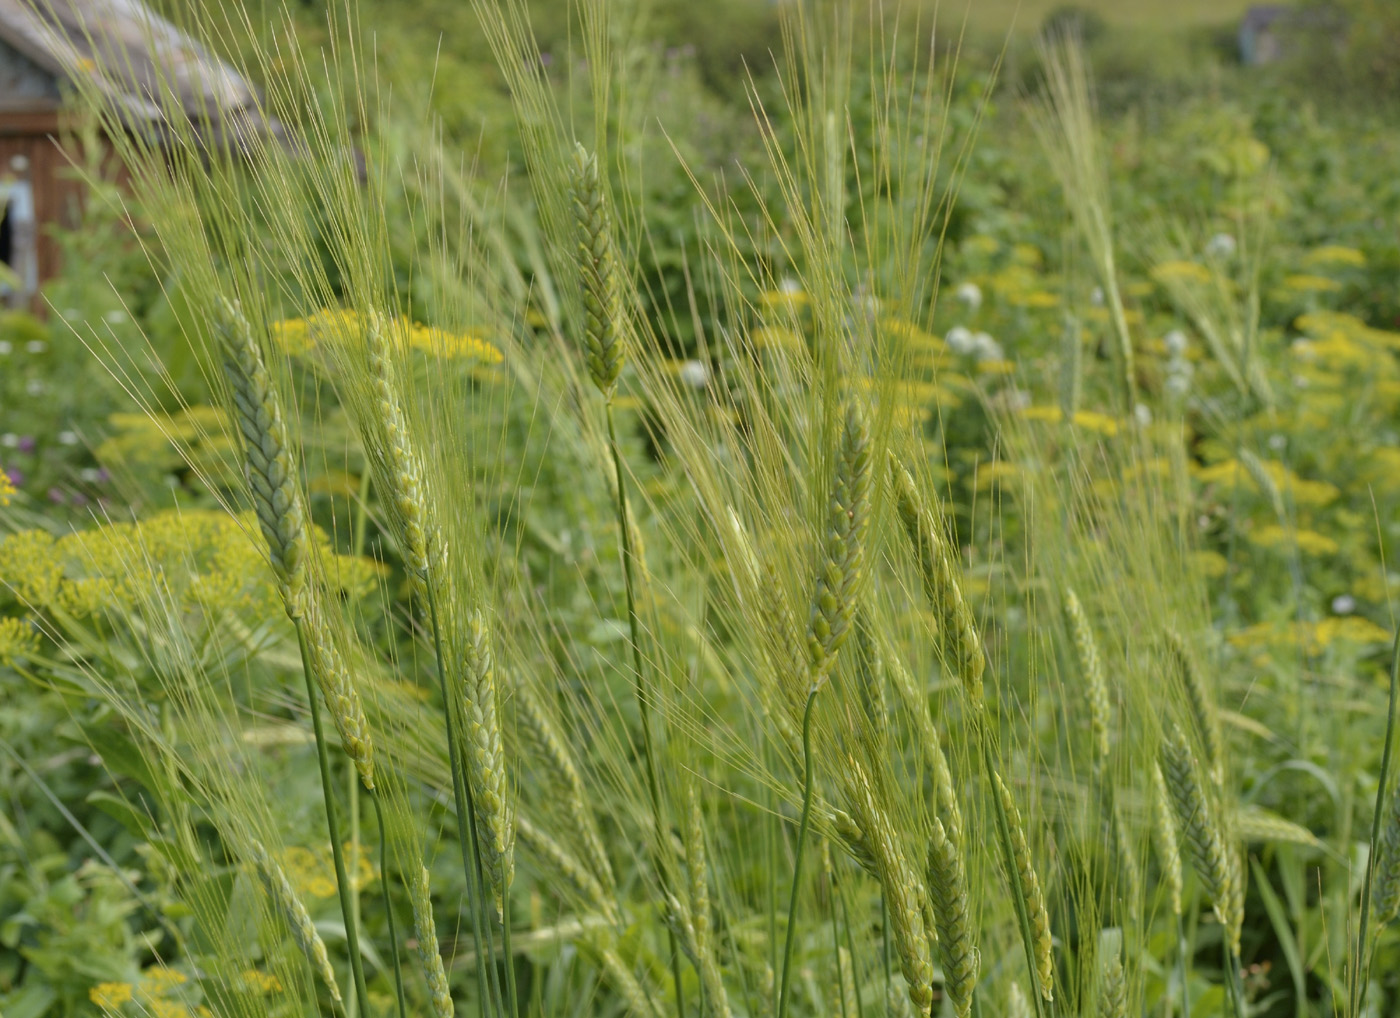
[
  {"x": 559, "y": 861},
  {"x": 841, "y": 566},
  {"x": 1205, "y": 841},
  {"x": 399, "y": 469},
  {"x": 338, "y": 691},
  {"x": 1025, "y": 875},
  {"x": 711, "y": 975},
  {"x": 549, "y": 745},
  {"x": 946, "y": 806},
  {"x": 942, "y": 583},
  {"x": 1201, "y": 703},
  {"x": 426, "y": 944},
  {"x": 947, "y": 884},
  {"x": 1091, "y": 668},
  {"x": 294, "y": 913},
  {"x": 904, "y": 895},
  {"x": 267, "y": 456},
  {"x": 598, "y": 272},
  {"x": 485, "y": 755},
  {"x": 1113, "y": 986},
  {"x": 1164, "y": 838}
]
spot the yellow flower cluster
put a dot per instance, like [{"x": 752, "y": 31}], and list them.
[
  {"x": 198, "y": 434},
  {"x": 1229, "y": 473},
  {"x": 261, "y": 982},
  {"x": 7, "y": 488},
  {"x": 313, "y": 873},
  {"x": 1181, "y": 271},
  {"x": 1089, "y": 420},
  {"x": 1307, "y": 541},
  {"x": 300, "y": 337},
  {"x": 1313, "y": 637},
  {"x": 18, "y": 639},
  {"x": 1335, "y": 254},
  {"x": 110, "y": 996},
  {"x": 193, "y": 559}
]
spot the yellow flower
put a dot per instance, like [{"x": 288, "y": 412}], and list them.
[
  {"x": 1026, "y": 254},
  {"x": 996, "y": 474},
  {"x": 159, "y": 980},
  {"x": 1231, "y": 472},
  {"x": 17, "y": 639},
  {"x": 261, "y": 982},
  {"x": 1335, "y": 254},
  {"x": 769, "y": 338},
  {"x": 30, "y": 566},
  {"x": 1303, "y": 283},
  {"x": 1309, "y": 541},
  {"x": 7, "y": 488},
  {"x": 1210, "y": 564},
  {"x": 110, "y": 996},
  {"x": 458, "y": 346},
  {"x": 981, "y": 244},
  {"x": 782, "y": 300},
  {"x": 1092, "y": 420},
  {"x": 167, "y": 1009},
  {"x": 1313, "y": 637},
  {"x": 292, "y": 336},
  {"x": 1037, "y": 299},
  {"x": 1181, "y": 271}
]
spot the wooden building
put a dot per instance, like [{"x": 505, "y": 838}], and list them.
[{"x": 129, "y": 52}]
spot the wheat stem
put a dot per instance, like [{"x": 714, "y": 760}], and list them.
[
  {"x": 797, "y": 853},
  {"x": 1362, "y": 963},
  {"x": 342, "y": 882},
  {"x": 388, "y": 905}
]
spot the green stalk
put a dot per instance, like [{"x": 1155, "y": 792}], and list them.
[
  {"x": 466, "y": 819},
  {"x": 639, "y": 675},
  {"x": 850, "y": 944},
  {"x": 797, "y": 854},
  {"x": 388, "y": 907},
  {"x": 1232, "y": 974},
  {"x": 1181, "y": 960},
  {"x": 347, "y": 911},
  {"x": 1018, "y": 895},
  {"x": 506, "y": 952},
  {"x": 352, "y": 795},
  {"x": 1361, "y": 965}
]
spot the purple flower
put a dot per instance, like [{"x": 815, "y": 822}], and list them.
[
  {"x": 56, "y": 496},
  {"x": 15, "y": 475},
  {"x": 79, "y": 498},
  {"x": 27, "y": 443}
]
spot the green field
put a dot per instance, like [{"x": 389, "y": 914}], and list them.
[{"x": 562, "y": 525}]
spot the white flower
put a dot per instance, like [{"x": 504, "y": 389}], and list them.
[
  {"x": 5, "y": 347},
  {"x": 9, "y": 440},
  {"x": 1222, "y": 245},
  {"x": 695, "y": 374},
  {"x": 1142, "y": 413},
  {"x": 1278, "y": 443},
  {"x": 1096, "y": 296},
  {"x": 68, "y": 438},
  {"x": 970, "y": 294},
  {"x": 1018, "y": 399},
  {"x": 959, "y": 339},
  {"x": 789, "y": 286},
  {"x": 1175, "y": 342},
  {"x": 114, "y": 317},
  {"x": 90, "y": 475},
  {"x": 36, "y": 346},
  {"x": 1343, "y": 604},
  {"x": 986, "y": 348},
  {"x": 1178, "y": 385},
  {"x": 35, "y": 386}
]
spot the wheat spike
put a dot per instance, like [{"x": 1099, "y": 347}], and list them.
[
  {"x": 942, "y": 582},
  {"x": 485, "y": 756},
  {"x": 1125, "y": 854},
  {"x": 1017, "y": 1006},
  {"x": 1031, "y": 891},
  {"x": 598, "y": 273},
  {"x": 786, "y": 656},
  {"x": 1385, "y": 884},
  {"x": 1164, "y": 838},
  {"x": 1090, "y": 665},
  {"x": 1201, "y": 704},
  {"x": 338, "y": 691},
  {"x": 848, "y": 832},
  {"x": 947, "y": 885},
  {"x": 639, "y": 1002},
  {"x": 557, "y": 860},
  {"x": 294, "y": 913},
  {"x": 841, "y": 568},
  {"x": 903, "y": 894},
  {"x": 946, "y": 806},
  {"x": 267, "y": 455},
  {"x": 395, "y": 458},
  {"x": 711, "y": 975},
  {"x": 1260, "y": 825},
  {"x": 1113, "y": 985},
  {"x": 843, "y": 988},
  {"x": 1205, "y": 840},
  {"x": 549, "y": 744},
  {"x": 429, "y": 954}
]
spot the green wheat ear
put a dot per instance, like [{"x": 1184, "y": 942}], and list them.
[
  {"x": 947, "y": 884},
  {"x": 1025, "y": 875},
  {"x": 294, "y": 913},
  {"x": 1086, "y": 648},
  {"x": 942, "y": 583},
  {"x": 267, "y": 454},
  {"x": 841, "y": 568},
  {"x": 429, "y": 954},
  {"x": 485, "y": 757},
  {"x": 598, "y": 272}
]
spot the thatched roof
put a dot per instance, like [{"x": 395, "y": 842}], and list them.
[{"x": 137, "y": 58}]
